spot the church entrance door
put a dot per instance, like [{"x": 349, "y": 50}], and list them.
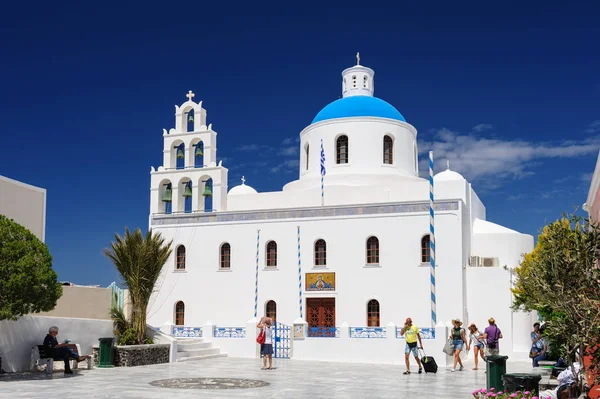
[{"x": 321, "y": 317}]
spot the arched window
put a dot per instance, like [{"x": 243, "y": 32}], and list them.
[
  {"x": 388, "y": 150},
  {"x": 271, "y": 310},
  {"x": 425, "y": 249},
  {"x": 199, "y": 154},
  {"x": 180, "y": 156},
  {"x": 365, "y": 81},
  {"x": 190, "y": 120},
  {"x": 179, "y": 314},
  {"x": 208, "y": 195},
  {"x": 307, "y": 152},
  {"x": 341, "y": 147},
  {"x": 187, "y": 197},
  {"x": 320, "y": 253},
  {"x": 344, "y": 84},
  {"x": 225, "y": 256},
  {"x": 373, "y": 250},
  {"x": 271, "y": 255},
  {"x": 373, "y": 313},
  {"x": 354, "y": 81},
  {"x": 180, "y": 258}
]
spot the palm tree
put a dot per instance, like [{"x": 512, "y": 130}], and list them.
[{"x": 139, "y": 260}]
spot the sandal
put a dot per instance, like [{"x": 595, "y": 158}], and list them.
[
  {"x": 420, "y": 371},
  {"x": 263, "y": 368},
  {"x": 406, "y": 372}
]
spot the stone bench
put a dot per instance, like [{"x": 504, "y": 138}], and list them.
[{"x": 40, "y": 358}]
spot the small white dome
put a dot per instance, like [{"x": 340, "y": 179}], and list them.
[
  {"x": 242, "y": 189},
  {"x": 448, "y": 175}
]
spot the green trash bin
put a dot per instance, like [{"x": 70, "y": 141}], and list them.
[
  {"x": 522, "y": 382},
  {"x": 496, "y": 368},
  {"x": 105, "y": 355}
]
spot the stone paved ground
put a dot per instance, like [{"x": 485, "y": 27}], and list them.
[{"x": 291, "y": 379}]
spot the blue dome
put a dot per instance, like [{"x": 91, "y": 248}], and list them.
[{"x": 358, "y": 106}]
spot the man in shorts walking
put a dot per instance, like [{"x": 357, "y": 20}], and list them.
[{"x": 411, "y": 333}]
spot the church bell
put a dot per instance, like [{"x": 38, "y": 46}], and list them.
[
  {"x": 180, "y": 153},
  {"x": 207, "y": 191},
  {"x": 191, "y": 118},
  {"x": 198, "y": 152},
  {"x": 168, "y": 195},
  {"x": 187, "y": 191}
]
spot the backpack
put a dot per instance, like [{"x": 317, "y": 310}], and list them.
[{"x": 493, "y": 342}]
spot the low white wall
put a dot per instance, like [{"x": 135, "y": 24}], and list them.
[
  {"x": 235, "y": 347},
  {"x": 17, "y": 337},
  {"x": 389, "y": 350}
]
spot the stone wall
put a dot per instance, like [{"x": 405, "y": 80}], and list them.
[
  {"x": 136, "y": 355},
  {"x": 141, "y": 355}
]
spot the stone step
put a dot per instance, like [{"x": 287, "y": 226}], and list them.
[
  {"x": 187, "y": 359},
  {"x": 189, "y": 340},
  {"x": 184, "y": 346},
  {"x": 198, "y": 352}
]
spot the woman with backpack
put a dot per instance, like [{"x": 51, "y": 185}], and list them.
[
  {"x": 476, "y": 337},
  {"x": 265, "y": 339},
  {"x": 458, "y": 337}
]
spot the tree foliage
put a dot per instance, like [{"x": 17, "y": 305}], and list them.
[
  {"x": 560, "y": 279},
  {"x": 28, "y": 284},
  {"x": 139, "y": 260}
]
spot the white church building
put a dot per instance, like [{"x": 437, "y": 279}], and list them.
[{"x": 349, "y": 261}]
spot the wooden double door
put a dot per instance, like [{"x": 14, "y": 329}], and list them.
[{"x": 321, "y": 312}]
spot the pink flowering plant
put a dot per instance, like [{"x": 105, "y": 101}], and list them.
[{"x": 491, "y": 393}]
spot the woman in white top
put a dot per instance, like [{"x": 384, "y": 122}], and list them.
[
  {"x": 266, "y": 349},
  {"x": 476, "y": 335}
]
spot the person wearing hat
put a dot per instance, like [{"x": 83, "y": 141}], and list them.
[
  {"x": 492, "y": 334},
  {"x": 458, "y": 337},
  {"x": 476, "y": 337}
]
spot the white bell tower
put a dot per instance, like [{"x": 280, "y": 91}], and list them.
[
  {"x": 189, "y": 179},
  {"x": 358, "y": 80}
]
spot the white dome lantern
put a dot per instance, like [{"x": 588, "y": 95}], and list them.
[
  {"x": 242, "y": 189},
  {"x": 358, "y": 80}
]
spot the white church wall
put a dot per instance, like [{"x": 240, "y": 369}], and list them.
[
  {"x": 19, "y": 336},
  {"x": 401, "y": 283},
  {"x": 509, "y": 248}
]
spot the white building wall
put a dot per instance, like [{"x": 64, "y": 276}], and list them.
[
  {"x": 25, "y": 204},
  {"x": 400, "y": 283}
]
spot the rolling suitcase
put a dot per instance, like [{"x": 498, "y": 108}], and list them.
[{"x": 429, "y": 363}]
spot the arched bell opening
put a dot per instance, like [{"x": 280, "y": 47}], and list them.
[
  {"x": 179, "y": 150},
  {"x": 187, "y": 197},
  {"x": 198, "y": 154},
  {"x": 207, "y": 194},
  {"x": 165, "y": 197},
  {"x": 189, "y": 120}
]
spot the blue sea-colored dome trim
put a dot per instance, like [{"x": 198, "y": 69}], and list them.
[{"x": 358, "y": 106}]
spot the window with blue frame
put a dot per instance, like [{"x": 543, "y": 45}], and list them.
[
  {"x": 208, "y": 195},
  {"x": 199, "y": 154},
  {"x": 180, "y": 156}
]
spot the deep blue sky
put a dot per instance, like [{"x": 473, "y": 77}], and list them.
[{"x": 509, "y": 93}]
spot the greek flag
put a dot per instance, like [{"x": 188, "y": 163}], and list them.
[{"x": 323, "y": 171}]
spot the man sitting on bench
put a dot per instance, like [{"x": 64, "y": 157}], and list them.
[{"x": 60, "y": 351}]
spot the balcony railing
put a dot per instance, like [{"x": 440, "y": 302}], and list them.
[
  {"x": 368, "y": 332},
  {"x": 229, "y": 332},
  {"x": 186, "y": 332},
  {"x": 426, "y": 333}
]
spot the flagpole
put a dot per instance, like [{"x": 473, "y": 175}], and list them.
[
  {"x": 323, "y": 171},
  {"x": 432, "y": 242}
]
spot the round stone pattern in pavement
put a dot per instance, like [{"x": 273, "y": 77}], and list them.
[{"x": 209, "y": 383}]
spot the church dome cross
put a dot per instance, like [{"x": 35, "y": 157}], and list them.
[{"x": 190, "y": 95}]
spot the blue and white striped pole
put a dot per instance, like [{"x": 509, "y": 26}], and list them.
[
  {"x": 299, "y": 275},
  {"x": 256, "y": 280},
  {"x": 432, "y": 242},
  {"x": 323, "y": 172}
]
